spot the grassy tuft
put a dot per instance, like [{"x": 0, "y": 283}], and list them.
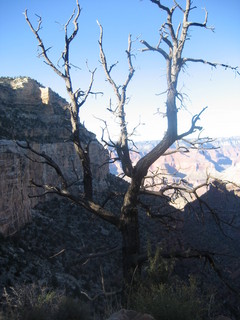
[{"x": 32, "y": 302}]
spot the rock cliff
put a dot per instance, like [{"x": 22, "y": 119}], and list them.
[
  {"x": 30, "y": 112},
  {"x": 221, "y": 159}
]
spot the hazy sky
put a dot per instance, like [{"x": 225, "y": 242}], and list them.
[{"x": 216, "y": 88}]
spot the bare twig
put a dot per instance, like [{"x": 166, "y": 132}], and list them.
[
  {"x": 212, "y": 64},
  {"x": 194, "y": 127}
]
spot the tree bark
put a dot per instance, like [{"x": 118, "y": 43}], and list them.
[
  {"x": 130, "y": 244},
  {"x": 130, "y": 229},
  {"x": 84, "y": 158}
]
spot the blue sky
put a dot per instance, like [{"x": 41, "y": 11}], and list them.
[{"x": 218, "y": 89}]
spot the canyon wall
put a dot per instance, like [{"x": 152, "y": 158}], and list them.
[
  {"x": 29, "y": 112},
  {"x": 221, "y": 158}
]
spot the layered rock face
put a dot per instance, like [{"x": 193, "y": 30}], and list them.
[
  {"x": 29, "y": 112},
  {"x": 221, "y": 159}
]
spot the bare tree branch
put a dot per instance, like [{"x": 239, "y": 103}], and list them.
[
  {"x": 89, "y": 88},
  {"x": 105, "y": 65},
  {"x": 158, "y": 3},
  {"x": 150, "y": 48},
  {"x": 74, "y": 105},
  {"x": 204, "y": 24},
  {"x": 177, "y": 4},
  {"x": 48, "y": 160},
  {"x": 121, "y": 146},
  {"x": 212, "y": 64},
  {"x": 41, "y": 45},
  {"x": 193, "y": 126}
]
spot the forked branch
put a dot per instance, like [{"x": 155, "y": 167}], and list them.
[
  {"x": 121, "y": 146},
  {"x": 41, "y": 44},
  {"x": 77, "y": 98},
  {"x": 157, "y": 49},
  {"x": 193, "y": 127},
  {"x": 48, "y": 161},
  {"x": 63, "y": 189}
]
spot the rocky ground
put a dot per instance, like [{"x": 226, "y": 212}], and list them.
[{"x": 64, "y": 247}]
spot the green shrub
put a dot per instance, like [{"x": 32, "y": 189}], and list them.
[
  {"x": 163, "y": 295},
  {"x": 29, "y": 302},
  {"x": 177, "y": 301},
  {"x": 33, "y": 302},
  {"x": 158, "y": 270}
]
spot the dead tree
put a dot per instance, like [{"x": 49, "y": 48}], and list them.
[
  {"x": 175, "y": 40},
  {"x": 77, "y": 98},
  {"x": 126, "y": 221}
]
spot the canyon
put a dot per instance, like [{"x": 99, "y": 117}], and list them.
[
  {"x": 31, "y": 113},
  {"x": 219, "y": 158},
  {"x": 52, "y": 242}
]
